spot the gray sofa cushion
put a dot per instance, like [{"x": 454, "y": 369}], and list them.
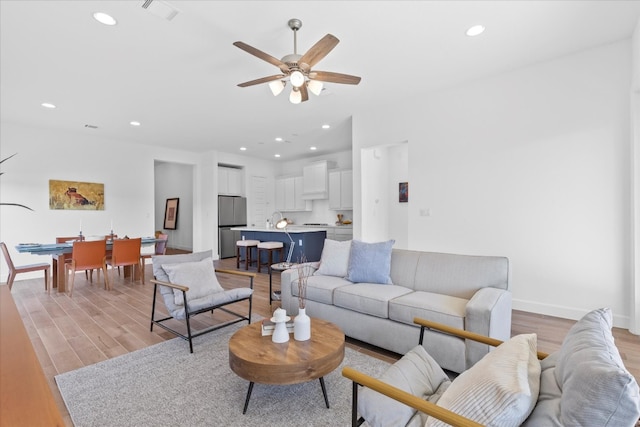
[
  {"x": 159, "y": 273},
  {"x": 426, "y": 305},
  {"x": 368, "y": 298},
  {"x": 320, "y": 288},
  {"x": 585, "y": 383},
  {"x": 416, "y": 373}
]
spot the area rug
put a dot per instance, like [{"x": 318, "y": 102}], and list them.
[{"x": 166, "y": 385}]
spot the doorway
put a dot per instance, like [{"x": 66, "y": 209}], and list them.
[{"x": 175, "y": 180}]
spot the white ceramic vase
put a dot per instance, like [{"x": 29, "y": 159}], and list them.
[
  {"x": 280, "y": 334},
  {"x": 301, "y": 326}
]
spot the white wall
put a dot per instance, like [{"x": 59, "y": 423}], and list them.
[
  {"x": 383, "y": 168},
  {"x": 175, "y": 180},
  {"x": 532, "y": 164},
  {"x": 125, "y": 168},
  {"x": 635, "y": 182}
]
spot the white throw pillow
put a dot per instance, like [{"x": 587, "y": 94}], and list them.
[
  {"x": 199, "y": 276},
  {"x": 501, "y": 389},
  {"x": 334, "y": 260}
]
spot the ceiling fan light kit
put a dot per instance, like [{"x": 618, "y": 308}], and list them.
[{"x": 297, "y": 68}]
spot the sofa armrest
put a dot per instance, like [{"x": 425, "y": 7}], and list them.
[
  {"x": 287, "y": 279},
  {"x": 488, "y": 313}
]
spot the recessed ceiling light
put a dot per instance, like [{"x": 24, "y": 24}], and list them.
[
  {"x": 48, "y": 105},
  {"x": 326, "y": 126},
  {"x": 243, "y": 148},
  {"x": 134, "y": 123},
  {"x": 476, "y": 30},
  {"x": 312, "y": 148},
  {"x": 276, "y": 155},
  {"x": 105, "y": 19},
  {"x": 279, "y": 139}
]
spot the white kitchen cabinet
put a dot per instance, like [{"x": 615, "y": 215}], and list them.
[
  {"x": 289, "y": 195},
  {"x": 315, "y": 181},
  {"x": 280, "y": 189},
  {"x": 341, "y": 190},
  {"x": 230, "y": 181},
  {"x": 300, "y": 204},
  {"x": 339, "y": 233}
]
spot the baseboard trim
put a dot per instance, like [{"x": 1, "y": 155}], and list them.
[{"x": 573, "y": 313}]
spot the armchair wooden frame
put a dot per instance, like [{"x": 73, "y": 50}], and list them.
[
  {"x": 14, "y": 270},
  {"x": 416, "y": 402},
  {"x": 189, "y": 314}
]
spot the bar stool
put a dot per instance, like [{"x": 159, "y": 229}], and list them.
[
  {"x": 247, "y": 245},
  {"x": 270, "y": 247}
]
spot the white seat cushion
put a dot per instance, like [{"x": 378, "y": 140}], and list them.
[
  {"x": 270, "y": 245},
  {"x": 247, "y": 242},
  {"x": 500, "y": 390}
]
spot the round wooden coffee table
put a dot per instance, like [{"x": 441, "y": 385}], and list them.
[{"x": 257, "y": 359}]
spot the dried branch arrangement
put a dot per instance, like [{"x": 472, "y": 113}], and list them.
[{"x": 304, "y": 271}]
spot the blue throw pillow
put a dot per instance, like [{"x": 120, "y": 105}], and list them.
[{"x": 370, "y": 262}]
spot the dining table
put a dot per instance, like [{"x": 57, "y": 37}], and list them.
[{"x": 57, "y": 252}]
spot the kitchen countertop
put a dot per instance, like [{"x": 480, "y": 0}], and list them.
[
  {"x": 291, "y": 230},
  {"x": 320, "y": 226}
]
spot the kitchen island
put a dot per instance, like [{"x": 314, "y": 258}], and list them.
[{"x": 308, "y": 241}]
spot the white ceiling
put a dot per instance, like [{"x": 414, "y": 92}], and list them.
[{"x": 179, "y": 77}]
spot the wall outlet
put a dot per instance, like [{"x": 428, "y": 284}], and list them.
[{"x": 300, "y": 242}]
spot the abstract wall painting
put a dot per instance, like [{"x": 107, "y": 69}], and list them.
[
  {"x": 403, "y": 192},
  {"x": 171, "y": 214}
]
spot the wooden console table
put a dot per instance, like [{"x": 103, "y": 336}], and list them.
[{"x": 25, "y": 396}]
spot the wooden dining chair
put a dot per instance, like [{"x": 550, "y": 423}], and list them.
[
  {"x": 88, "y": 255},
  {"x": 62, "y": 239},
  {"x": 15, "y": 270},
  {"x": 126, "y": 252},
  {"x": 160, "y": 249}
]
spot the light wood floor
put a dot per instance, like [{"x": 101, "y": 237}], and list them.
[{"x": 95, "y": 325}]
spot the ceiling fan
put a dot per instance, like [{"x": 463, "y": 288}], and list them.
[{"x": 297, "y": 68}]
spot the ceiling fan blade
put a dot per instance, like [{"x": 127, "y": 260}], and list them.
[
  {"x": 327, "y": 76},
  {"x": 304, "y": 92},
  {"x": 264, "y": 56},
  {"x": 318, "y": 51},
  {"x": 262, "y": 80}
]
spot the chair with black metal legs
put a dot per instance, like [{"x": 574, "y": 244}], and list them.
[{"x": 188, "y": 286}]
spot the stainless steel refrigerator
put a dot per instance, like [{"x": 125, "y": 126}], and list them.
[{"x": 232, "y": 212}]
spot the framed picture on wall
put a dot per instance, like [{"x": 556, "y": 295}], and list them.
[
  {"x": 403, "y": 192},
  {"x": 171, "y": 214}
]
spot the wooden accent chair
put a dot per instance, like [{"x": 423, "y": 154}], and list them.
[
  {"x": 584, "y": 383},
  {"x": 15, "y": 270},
  {"x": 188, "y": 286},
  {"x": 126, "y": 252},
  {"x": 160, "y": 249},
  {"x": 88, "y": 255}
]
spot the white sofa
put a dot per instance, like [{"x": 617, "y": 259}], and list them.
[{"x": 462, "y": 291}]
